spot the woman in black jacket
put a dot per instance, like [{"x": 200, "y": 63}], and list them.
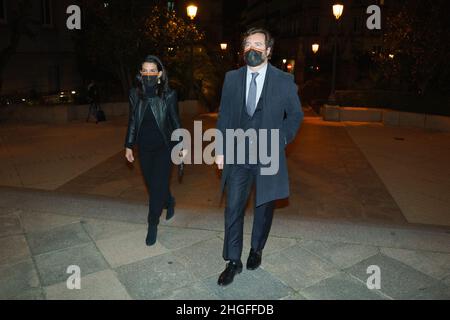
[{"x": 153, "y": 117}]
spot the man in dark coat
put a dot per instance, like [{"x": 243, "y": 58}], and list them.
[{"x": 256, "y": 96}]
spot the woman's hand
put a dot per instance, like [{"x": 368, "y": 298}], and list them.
[{"x": 129, "y": 154}]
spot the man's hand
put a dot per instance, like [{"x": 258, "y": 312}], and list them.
[
  {"x": 129, "y": 154},
  {"x": 220, "y": 161}
]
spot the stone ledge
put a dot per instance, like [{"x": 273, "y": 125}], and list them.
[
  {"x": 60, "y": 114},
  {"x": 387, "y": 116}
]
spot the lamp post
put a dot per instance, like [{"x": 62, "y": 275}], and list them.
[
  {"x": 315, "y": 49},
  {"x": 338, "y": 9},
  {"x": 192, "y": 13},
  {"x": 223, "y": 47}
]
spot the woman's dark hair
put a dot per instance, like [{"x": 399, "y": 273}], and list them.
[{"x": 163, "y": 86}]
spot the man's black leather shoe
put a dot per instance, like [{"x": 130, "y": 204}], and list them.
[
  {"x": 254, "y": 259},
  {"x": 228, "y": 274}
]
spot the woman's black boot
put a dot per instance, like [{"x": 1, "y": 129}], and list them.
[
  {"x": 151, "y": 235},
  {"x": 170, "y": 208}
]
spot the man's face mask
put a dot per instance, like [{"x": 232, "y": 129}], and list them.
[
  {"x": 150, "y": 79},
  {"x": 254, "y": 57}
]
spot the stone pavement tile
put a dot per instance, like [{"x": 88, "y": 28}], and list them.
[
  {"x": 58, "y": 238},
  {"x": 421, "y": 240},
  {"x": 42, "y": 221},
  {"x": 342, "y": 255},
  {"x": 334, "y": 206},
  {"x": 52, "y": 266},
  {"x": 294, "y": 296},
  {"x": 374, "y": 195},
  {"x": 252, "y": 285},
  {"x": 176, "y": 238},
  {"x": 384, "y": 213},
  {"x": 10, "y": 225},
  {"x": 102, "y": 285},
  {"x": 298, "y": 267},
  {"x": 370, "y": 235},
  {"x": 446, "y": 280},
  {"x": 182, "y": 218},
  {"x": 195, "y": 291},
  {"x": 17, "y": 280},
  {"x": 154, "y": 277},
  {"x": 104, "y": 229},
  {"x": 129, "y": 247},
  {"x": 202, "y": 259},
  {"x": 9, "y": 211},
  {"x": 434, "y": 264},
  {"x": 31, "y": 294},
  {"x": 207, "y": 222},
  {"x": 400, "y": 281},
  {"x": 13, "y": 249},
  {"x": 341, "y": 287}
]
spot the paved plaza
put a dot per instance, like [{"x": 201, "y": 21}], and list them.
[{"x": 361, "y": 195}]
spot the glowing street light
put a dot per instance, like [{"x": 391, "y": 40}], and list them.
[
  {"x": 223, "y": 46},
  {"x": 192, "y": 11},
  {"x": 338, "y": 9},
  {"x": 315, "y": 48}
]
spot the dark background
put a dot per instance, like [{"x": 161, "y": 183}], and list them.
[{"x": 403, "y": 66}]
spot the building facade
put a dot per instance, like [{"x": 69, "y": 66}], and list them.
[
  {"x": 42, "y": 59},
  {"x": 298, "y": 24}
]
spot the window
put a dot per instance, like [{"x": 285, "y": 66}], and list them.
[
  {"x": 2, "y": 10},
  {"x": 315, "y": 25},
  {"x": 46, "y": 12},
  {"x": 357, "y": 24},
  {"x": 171, "y": 5}
]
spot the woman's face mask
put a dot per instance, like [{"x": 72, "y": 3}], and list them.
[
  {"x": 150, "y": 79},
  {"x": 254, "y": 57}
]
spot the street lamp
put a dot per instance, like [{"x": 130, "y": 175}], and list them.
[
  {"x": 223, "y": 47},
  {"x": 192, "y": 13},
  {"x": 338, "y": 9},
  {"x": 315, "y": 48}
]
